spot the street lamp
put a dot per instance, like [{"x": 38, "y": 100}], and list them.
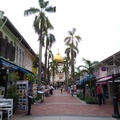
[{"x": 115, "y": 102}]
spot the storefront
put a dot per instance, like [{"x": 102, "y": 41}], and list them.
[
  {"x": 109, "y": 88},
  {"x": 7, "y": 68}
]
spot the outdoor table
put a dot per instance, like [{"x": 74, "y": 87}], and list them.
[{"x": 40, "y": 92}]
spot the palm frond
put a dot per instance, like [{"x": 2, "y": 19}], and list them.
[
  {"x": 67, "y": 39},
  {"x": 70, "y": 33},
  {"x": 46, "y": 3},
  {"x": 78, "y": 37},
  {"x": 31, "y": 11},
  {"x": 51, "y": 9},
  {"x": 73, "y": 31},
  {"x": 48, "y": 24},
  {"x": 36, "y": 24},
  {"x": 41, "y": 3}
]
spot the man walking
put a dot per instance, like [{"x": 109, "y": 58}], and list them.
[{"x": 99, "y": 94}]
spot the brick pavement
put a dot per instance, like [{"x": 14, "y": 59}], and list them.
[{"x": 66, "y": 105}]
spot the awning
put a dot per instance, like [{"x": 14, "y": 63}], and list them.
[
  {"x": 88, "y": 78},
  {"x": 8, "y": 64},
  {"x": 25, "y": 71},
  {"x": 104, "y": 79}
]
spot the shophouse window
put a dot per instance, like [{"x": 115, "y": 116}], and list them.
[
  {"x": 1, "y": 35},
  {"x": 22, "y": 58},
  {"x": 17, "y": 52},
  {"x": 6, "y": 38}
]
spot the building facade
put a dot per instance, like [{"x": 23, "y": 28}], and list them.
[
  {"x": 107, "y": 68},
  {"x": 13, "y": 47},
  {"x": 59, "y": 77}
]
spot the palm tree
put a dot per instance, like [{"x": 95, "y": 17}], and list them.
[
  {"x": 72, "y": 41},
  {"x": 41, "y": 24},
  {"x": 90, "y": 68},
  {"x": 78, "y": 72},
  {"x": 66, "y": 69},
  {"x": 69, "y": 51},
  {"x": 54, "y": 69},
  {"x": 50, "y": 56},
  {"x": 50, "y": 39}
]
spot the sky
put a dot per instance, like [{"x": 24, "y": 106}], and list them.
[{"x": 97, "y": 22}]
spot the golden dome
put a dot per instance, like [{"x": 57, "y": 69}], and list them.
[{"x": 58, "y": 58}]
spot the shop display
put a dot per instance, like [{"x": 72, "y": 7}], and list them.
[{"x": 22, "y": 89}]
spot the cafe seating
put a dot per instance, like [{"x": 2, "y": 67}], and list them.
[
  {"x": 8, "y": 107},
  {"x": 1, "y": 115}
]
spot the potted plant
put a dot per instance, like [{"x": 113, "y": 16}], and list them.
[
  {"x": 12, "y": 94},
  {"x": 12, "y": 90}
]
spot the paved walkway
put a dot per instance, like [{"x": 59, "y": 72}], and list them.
[{"x": 65, "y": 107}]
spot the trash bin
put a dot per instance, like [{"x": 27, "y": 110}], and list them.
[
  {"x": 30, "y": 98},
  {"x": 42, "y": 95}
]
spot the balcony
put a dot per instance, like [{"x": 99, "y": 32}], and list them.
[{"x": 113, "y": 70}]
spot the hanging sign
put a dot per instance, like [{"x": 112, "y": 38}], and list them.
[{"x": 103, "y": 68}]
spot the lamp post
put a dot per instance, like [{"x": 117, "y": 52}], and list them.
[
  {"x": 6, "y": 83},
  {"x": 115, "y": 102}
]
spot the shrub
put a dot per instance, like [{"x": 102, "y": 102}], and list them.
[
  {"x": 80, "y": 96},
  {"x": 91, "y": 100},
  {"x": 88, "y": 100}
]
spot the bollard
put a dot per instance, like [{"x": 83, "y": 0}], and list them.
[
  {"x": 115, "y": 102},
  {"x": 116, "y": 111}
]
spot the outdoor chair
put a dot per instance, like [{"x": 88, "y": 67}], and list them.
[
  {"x": 8, "y": 107},
  {"x": 1, "y": 115}
]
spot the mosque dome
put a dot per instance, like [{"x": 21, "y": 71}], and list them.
[{"x": 58, "y": 58}]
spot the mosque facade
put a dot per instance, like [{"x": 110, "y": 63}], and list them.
[{"x": 60, "y": 75}]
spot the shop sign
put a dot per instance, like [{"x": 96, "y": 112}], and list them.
[{"x": 103, "y": 68}]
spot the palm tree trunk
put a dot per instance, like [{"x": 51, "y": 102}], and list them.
[
  {"x": 53, "y": 75},
  {"x": 48, "y": 73},
  {"x": 67, "y": 73},
  {"x": 72, "y": 64},
  {"x": 40, "y": 60},
  {"x": 45, "y": 76}
]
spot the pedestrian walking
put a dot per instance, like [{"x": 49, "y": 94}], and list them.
[
  {"x": 72, "y": 90},
  {"x": 103, "y": 97},
  {"x": 51, "y": 90},
  {"x": 61, "y": 89},
  {"x": 43, "y": 90},
  {"x": 99, "y": 94}
]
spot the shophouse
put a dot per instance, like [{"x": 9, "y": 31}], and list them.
[
  {"x": 13, "y": 46},
  {"x": 16, "y": 55},
  {"x": 108, "y": 67}
]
